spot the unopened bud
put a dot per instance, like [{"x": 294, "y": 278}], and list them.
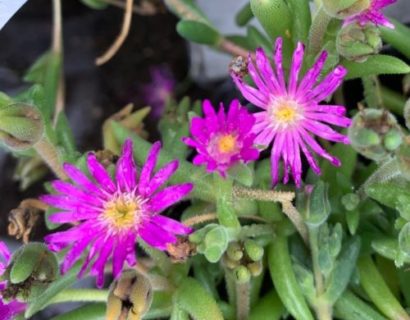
[
  {"x": 253, "y": 250},
  {"x": 374, "y": 133},
  {"x": 255, "y": 268},
  {"x": 21, "y": 126},
  {"x": 130, "y": 297},
  {"x": 242, "y": 274},
  {"x": 357, "y": 43},
  {"x": 342, "y": 9},
  {"x": 234, "y": 251}
]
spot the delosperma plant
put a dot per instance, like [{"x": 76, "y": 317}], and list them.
[{"x": 289, "y": 201}]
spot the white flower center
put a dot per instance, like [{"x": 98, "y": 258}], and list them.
[{"x": 285, "y": 113}]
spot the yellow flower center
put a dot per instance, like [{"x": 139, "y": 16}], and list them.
[
  {"x": 227, "y": 143},
  {"x": 285, "y": 114},
  {"x": 123, "y": 212}
]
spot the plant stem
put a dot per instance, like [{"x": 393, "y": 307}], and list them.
[
  {"x": 323, "y": 310},
  {"x": 242, "y": 300},
  {"x": 296, "y": 219},
  {"x": 318, "y": 30},
  {"x": 392, "y": 100},
  {"x": 57, "y": 48},
  {"x": 224, "y": 203},
  {"x": 49, "y": 153},
  {"x": 232, "y": 48},
  {"x": 263, "y": 195},
  {"x": 80, "y": 295},
  {"x": 121, "y": 37}
]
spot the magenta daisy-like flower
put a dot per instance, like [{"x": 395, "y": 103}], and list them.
[
  {"x": 222, "y": 140},
  {"x": 291, "y": 114},
  {"x": 373, "y": 14},
  {"x": 110, "y": 214},
  {"x": 8, "y": 310}
]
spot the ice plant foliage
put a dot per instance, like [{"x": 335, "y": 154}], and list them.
[
  {"x": 291, "y": 113},
  {"x": 222, "y": 140},
  {"x": 373, "y": 14},
  {"x": 8, "y": 310},
  {"x": 110, "y": 214}
]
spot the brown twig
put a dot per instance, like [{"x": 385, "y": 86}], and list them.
[
  {"x": 146, "y": 8},
  {"x": 120, "y": 38}
]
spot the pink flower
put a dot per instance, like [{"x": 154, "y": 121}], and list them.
[
  {"x": 291, "y": 113},
  {"x": 8, "y": 310},
  {"x": 373, "y": 14},
  {"x": 159, "y": 90},
  {"x": 222, "y": 140},
  {"x": 110, "y": 214}
]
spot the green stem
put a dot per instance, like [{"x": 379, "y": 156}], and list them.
[
  {"x": 372, "y": 92},
  {"x": 50, "y": 155},
  {"x": 392, "y": 100},
  {"x": 323, "y": 309},
  {"x": 224, "y": 203},
  {"x": 242, "y": 300},
  {"x": 378, "y": 291},
  {"x": 318, "y": 30},
  {"x": 80, "y": 295}
]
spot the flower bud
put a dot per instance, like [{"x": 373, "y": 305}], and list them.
[
  {"x": 375, "y": 133},
  {"x": 357, "y": 43},
  {"x": 255, "y": 268},
  {"x": 234, "y": 251},
  {"x": 314, "y": 204},
  {"x": 130, "y": 296},
  {"x": 342, "y": 9},
  {"x": 21, "y": 126},
  {"x": 242, "y": 274},
  {"x": 253, "y": 250}
]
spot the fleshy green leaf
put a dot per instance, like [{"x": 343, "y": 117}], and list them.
[
  {"x": 198, "y": 32},
  {"x": 374, "y": 65}
]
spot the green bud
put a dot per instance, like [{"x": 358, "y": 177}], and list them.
[
  {"x": 198, "y": 32},
  {"x": 315, "y": 204},
  {"x": 242, "y": 274},
  {"x": 342, "y": 9},
  {"x": 33, "y": 261},
  {"x": 357, "y": 43},
  {"x": 217, "y": 236},
  {"x": 369, "y": 128},
  {"x": 234, "y": 251},
  {"x": 255, "y": 268},
  {"x": 229, "y": 263},
  {"x": 21, "y": 126},
  {"x": 350, "y": 201},
  {"x": 253, "y": 250},
  {"x": 393, "y": 139},
  {"x": 130, "y": 296}
]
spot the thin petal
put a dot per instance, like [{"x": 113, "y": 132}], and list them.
[
  {"x": 126, "y": 170},
  {"x": 148, "y": 168},
  {"x": 99, "y": 173},
  {"x": 169, "y": 196},
  {"x": 171, "y": 225}
]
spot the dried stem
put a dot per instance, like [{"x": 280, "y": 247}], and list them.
[
  {"x": 57, "y": 48},
  {"x": 233, "y": 49},
  {"x": 121, "y": 37},
  {"x": 144, "y": 9}
]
